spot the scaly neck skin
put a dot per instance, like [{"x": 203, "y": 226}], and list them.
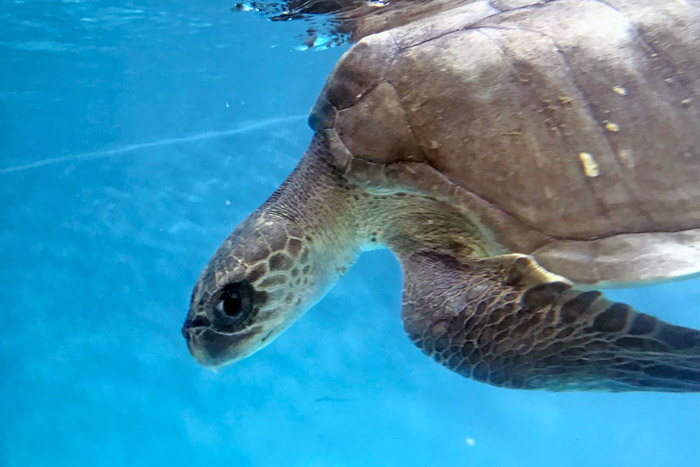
[
  {"x": 284, "y": 257},
  {"x": 344, "y": 219}
]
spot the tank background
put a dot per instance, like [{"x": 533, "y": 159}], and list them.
[{"x": 99, "y": 257}]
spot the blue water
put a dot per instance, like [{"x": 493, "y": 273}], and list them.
[{"x": 132, "y": 140}]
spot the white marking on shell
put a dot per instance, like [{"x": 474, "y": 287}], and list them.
[
  {"x": 620, "y": 90},
  {"x": 625, "y": 156},
  {"x": 590, "y": 166},
  {"x": 548, "y": 192},
  {"x": 612, "y": 126},
  {"x": 563, "y": 100}
]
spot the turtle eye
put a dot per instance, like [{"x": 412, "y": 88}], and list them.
[
  {"x": 230, "y": 303},
  {"x": 234, "y": 303}
]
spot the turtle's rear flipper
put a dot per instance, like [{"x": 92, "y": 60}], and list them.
[{"x": 508, "y": 322}]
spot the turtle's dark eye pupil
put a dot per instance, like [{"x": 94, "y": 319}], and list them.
[{"x": 231, "y": 303}]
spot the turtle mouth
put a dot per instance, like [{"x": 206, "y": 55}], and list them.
[{"x": 214, "y": 349}]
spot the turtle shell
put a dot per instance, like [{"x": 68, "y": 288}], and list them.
[{"x": 569, "y": 129}]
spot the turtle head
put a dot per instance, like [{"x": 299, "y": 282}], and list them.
[{"x": 262, "y": 278}]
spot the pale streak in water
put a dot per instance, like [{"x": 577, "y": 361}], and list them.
[{"x": 242, "y": 128}]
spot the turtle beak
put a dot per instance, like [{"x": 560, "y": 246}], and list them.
[{"x": 213, "y": 349}]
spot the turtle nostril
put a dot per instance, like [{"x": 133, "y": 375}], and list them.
[{"x": 198, "y": 322}]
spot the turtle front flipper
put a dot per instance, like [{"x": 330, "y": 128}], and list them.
[{"x": 508, "y": 322}]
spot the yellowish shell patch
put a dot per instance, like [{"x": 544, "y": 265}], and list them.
[{"x": 590, "y": 166}]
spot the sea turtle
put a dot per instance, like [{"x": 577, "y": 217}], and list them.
[{"x": 511, "y": 153}]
